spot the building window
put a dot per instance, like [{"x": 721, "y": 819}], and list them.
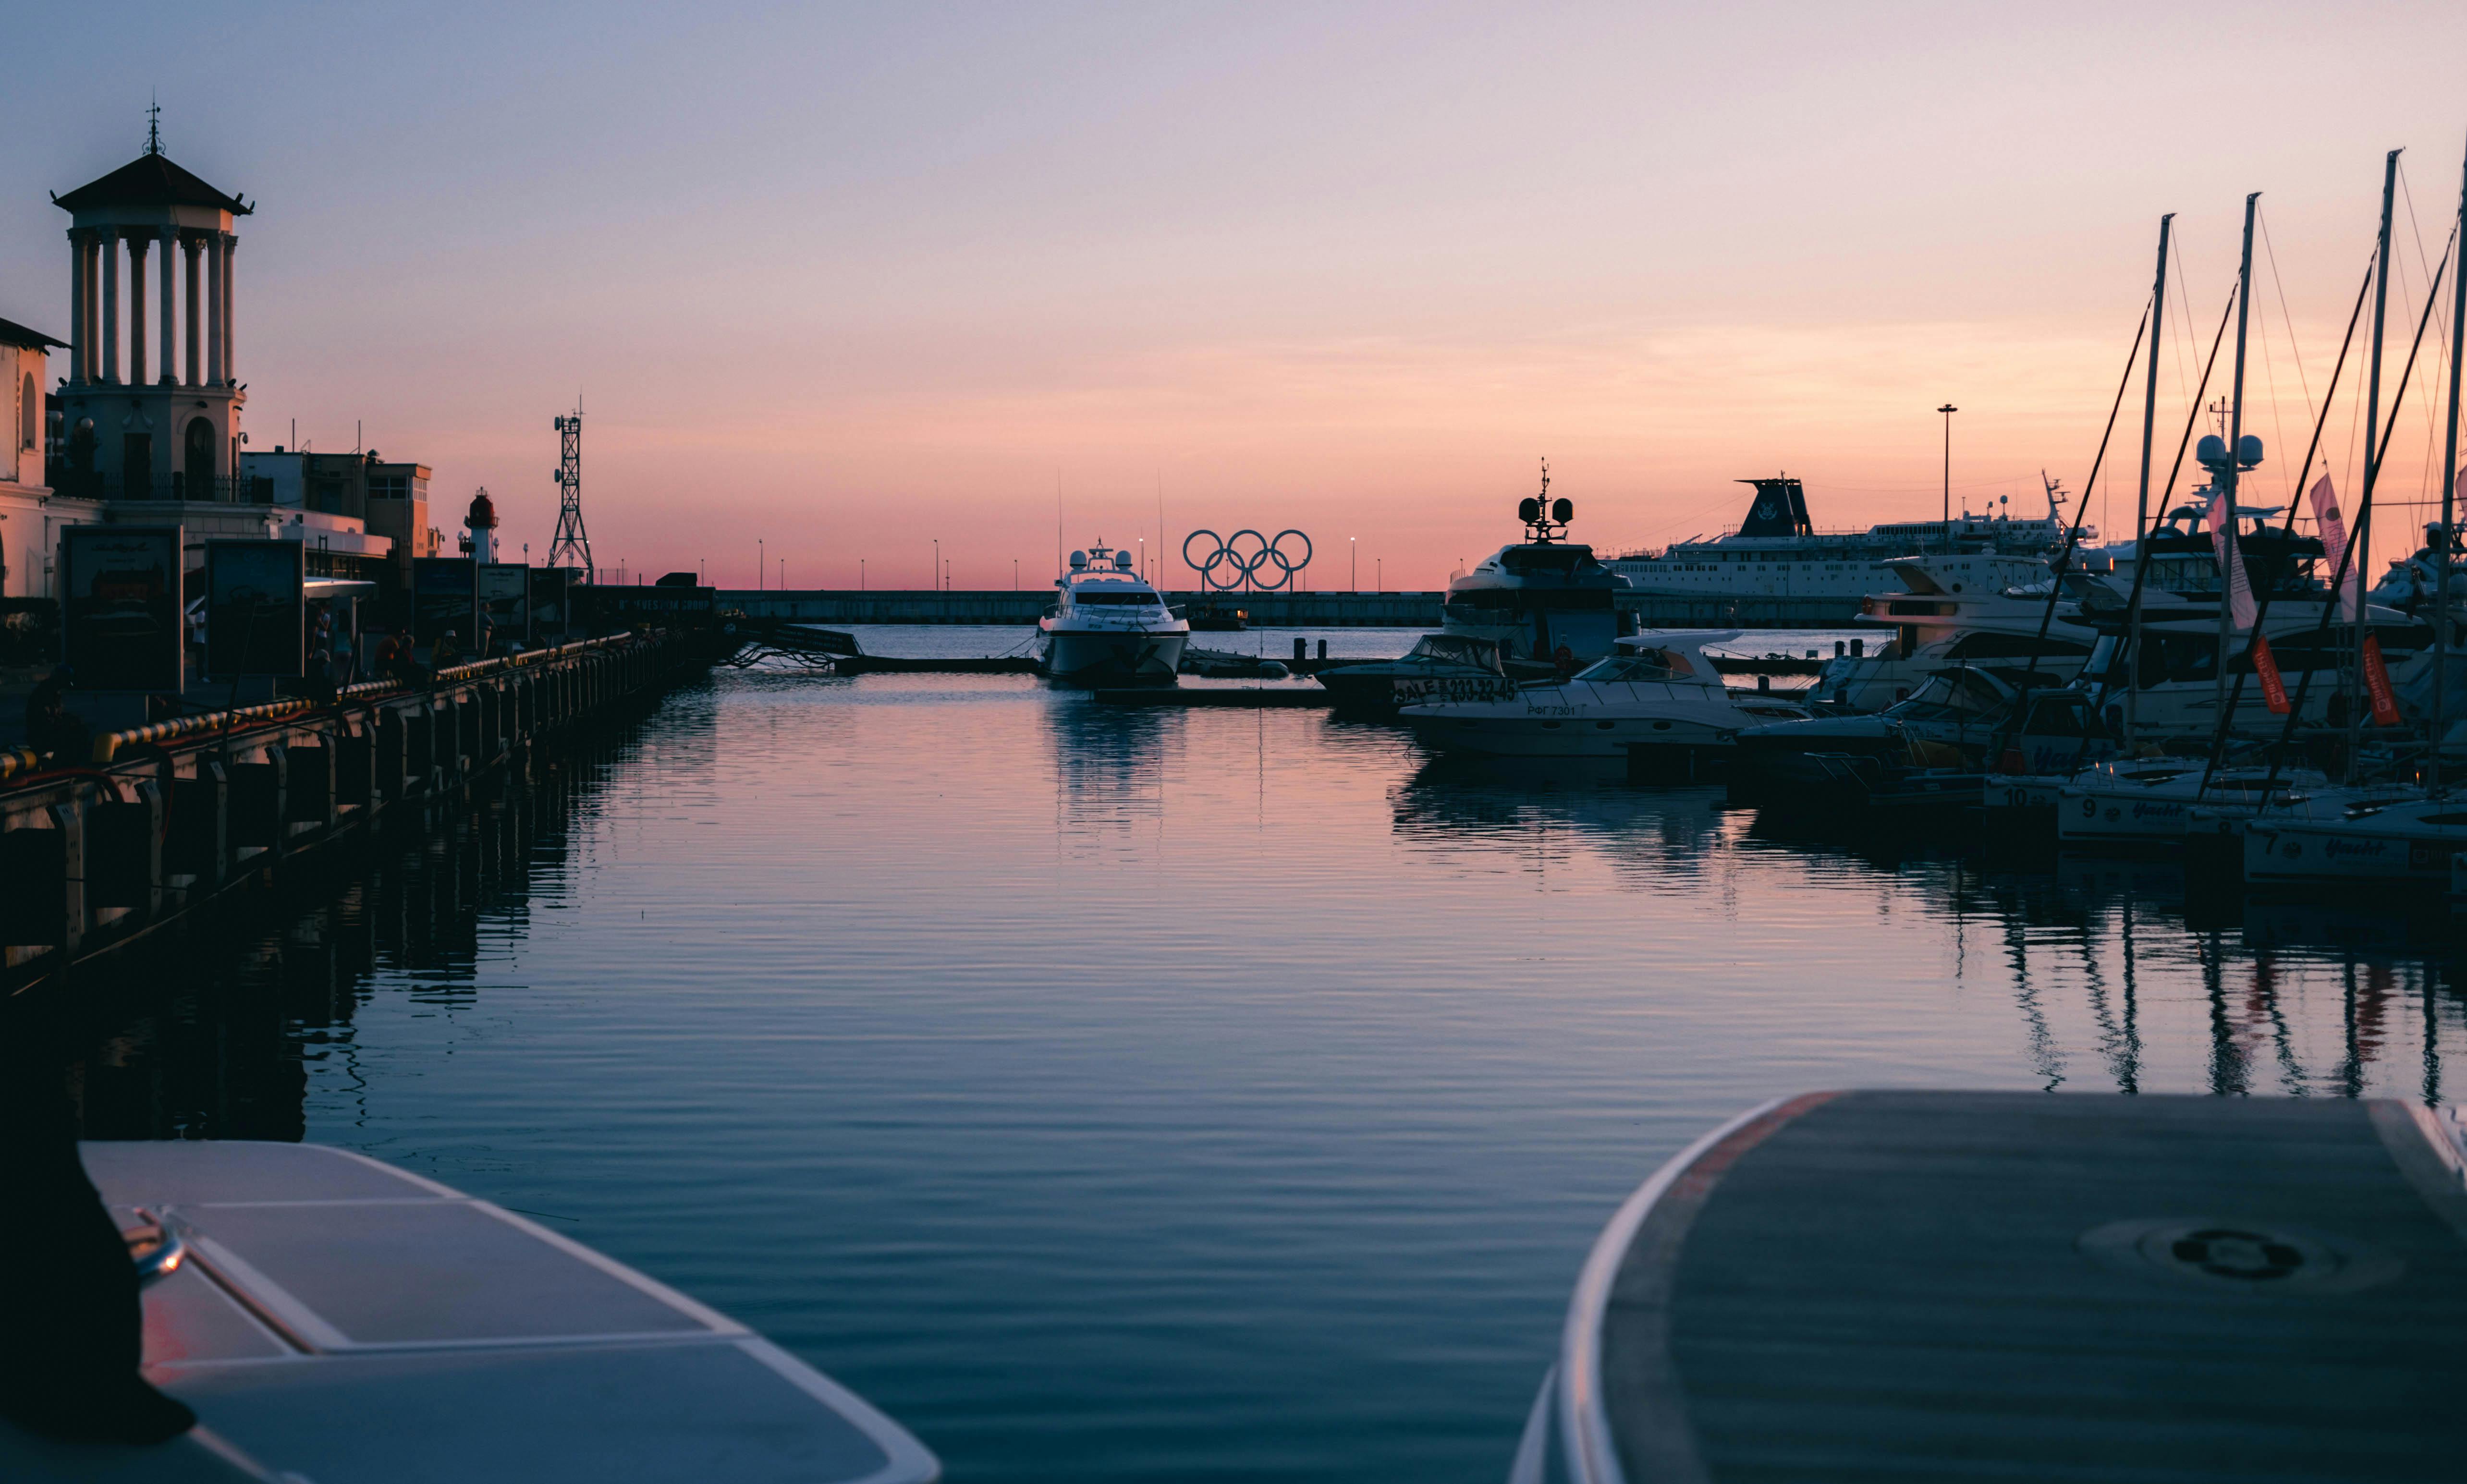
[{"x": 30, "y": 414}]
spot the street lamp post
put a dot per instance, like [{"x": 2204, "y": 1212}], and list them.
[
  {"x": 935, "y": 582},
  {"x": 860, "y": 573},
  {"x": 761, "y": 561},
  {"x": 1948, "y": 409},
  {"x": 1353, "y": 563}
]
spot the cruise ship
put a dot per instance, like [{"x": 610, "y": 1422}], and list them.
[{"x": 1777, "y": 553}]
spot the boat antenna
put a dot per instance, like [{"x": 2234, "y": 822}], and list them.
[
  {"x": 2224, "y": 479},
  {"x": 1545, "y": 520},
  {"x": 2359, "y": 542},
  {"x": 2142, "y": 509},
  {"x": 2287, "y": 536},
  {"x": 2354, "y": 549},
  {"x": 2444, "y": 548}
]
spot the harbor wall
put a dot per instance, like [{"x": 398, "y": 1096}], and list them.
[
  {"x": 1267, "y": 610},
  {"x": 160, "y": 822},
  {"x": 1004, "y": 606}
]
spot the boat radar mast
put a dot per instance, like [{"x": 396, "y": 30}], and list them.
[{"x": 1545, "y": 520}]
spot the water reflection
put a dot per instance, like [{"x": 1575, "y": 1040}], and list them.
[
  {"x": 160, "y": 1050},
  {"x": 1246, "y": 1083}
]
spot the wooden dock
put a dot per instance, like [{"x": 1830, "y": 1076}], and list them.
[
  {"x": 2023, "y": 1286},
  {"x": 155, "y": 825}
]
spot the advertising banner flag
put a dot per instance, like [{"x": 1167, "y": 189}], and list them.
[
  {"x": 2334, "y": 541},
  {"x": 2377, "y": 683},
  {"x": 2274, "y": 691},
  {"x": 2224, "y": 544}
]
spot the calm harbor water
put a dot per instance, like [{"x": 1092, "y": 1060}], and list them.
[{"x": 1131, "y": 1094}]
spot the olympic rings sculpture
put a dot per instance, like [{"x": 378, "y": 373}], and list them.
[{"x": 1232, "y": 568}]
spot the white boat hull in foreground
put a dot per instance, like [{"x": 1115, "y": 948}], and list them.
[{"x": 337, "y": 1320}]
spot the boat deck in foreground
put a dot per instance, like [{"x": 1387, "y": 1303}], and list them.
[
  {"x": 2019, "y": 1286},
  {"x": 338, "y": 1319}
]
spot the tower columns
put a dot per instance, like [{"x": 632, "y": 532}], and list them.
[
  {"x": 137, "y": 311},
  {"x": 188, "y": 247},
  {"x": 78, "y": 339},
  {"x": 168, "y": 241},
  {"x": 110, "y": 306},
  {"x": 231, "y": 244},
  {"x": 215, "y": 309},
  {"x": 93, "y": 306}
]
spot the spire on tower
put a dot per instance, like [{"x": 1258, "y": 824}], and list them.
[{"x": 153, "y": 127}]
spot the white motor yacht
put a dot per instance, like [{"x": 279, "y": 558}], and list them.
[
  {"x": 1657, "y": 694},
  {"x": 1108, "y": 625}
]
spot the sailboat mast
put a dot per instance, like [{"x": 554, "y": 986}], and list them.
[
  {"x": 2226, "y": 480},
  {"x": 2142, "y": 508},
  {"x": 2357, "y": 542},
  {"x": 2442, "y": 547}
]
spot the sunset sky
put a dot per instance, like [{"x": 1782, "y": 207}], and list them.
[{"x": 848, "y": 279}]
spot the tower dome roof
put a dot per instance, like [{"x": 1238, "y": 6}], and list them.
[{"x": 150, "y": 180}]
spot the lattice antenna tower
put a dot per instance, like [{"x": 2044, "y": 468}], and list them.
[{"x": 572, "y": 546}]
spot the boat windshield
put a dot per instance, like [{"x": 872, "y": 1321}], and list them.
[
  {"x": 1949, "y": 694},
  {"x": 1645, "y": 664},
  {"x": 1104, "y": 596},
  {"x": 1455, "y": 649}
]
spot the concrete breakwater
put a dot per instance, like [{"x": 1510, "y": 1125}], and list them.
[
  {"x": 160, "y": 822},
  {"x": 1266, "y": 610}
]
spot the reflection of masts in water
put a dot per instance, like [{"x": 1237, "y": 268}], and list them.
[
  {"x": 2048, "y": 1061},
  {"x": 2123, "y": 1055},
  {"x": 2425, "y": 991},
  {"x": 2230, "y": 1075},
  {"x": 2265, "y": 1003},
  {"x": 2365, "y": 1014}
]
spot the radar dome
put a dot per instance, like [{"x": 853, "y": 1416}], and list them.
[
  {"x": 1563, "y": 510},
  {"x": 1122, "y": 561},
  {"x": 2248, "y": 449},
  {"x": 1078, "y": 561},
  {"x": 2211, "y": 450},
  {"x": 1528, "y": 510}
]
